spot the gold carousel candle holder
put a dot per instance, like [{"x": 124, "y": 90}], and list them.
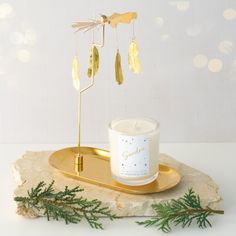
[{"x": 92, "y": 164}]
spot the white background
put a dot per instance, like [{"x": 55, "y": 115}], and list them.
[{"x": 176, "y": 86}]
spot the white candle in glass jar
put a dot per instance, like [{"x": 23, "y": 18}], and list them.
[{"x": 134, "y": 148}]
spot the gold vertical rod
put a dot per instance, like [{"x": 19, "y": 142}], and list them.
[
  {"x": 79, "y": 118},
  {"x": 100, "y": 45},
  {"x": 78, "y": 157}
]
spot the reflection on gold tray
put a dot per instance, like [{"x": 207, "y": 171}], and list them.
[{"x": 96, "y": 170}]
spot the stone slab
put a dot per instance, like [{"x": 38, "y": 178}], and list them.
[{"x": 33, "y": 167}]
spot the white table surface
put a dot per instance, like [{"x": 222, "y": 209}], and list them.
[{"x": 217, "y": 160}]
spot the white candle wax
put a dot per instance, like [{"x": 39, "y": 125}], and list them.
[{"x": 134, "y": 148}]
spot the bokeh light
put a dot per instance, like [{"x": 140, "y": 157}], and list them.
[
  {"x": 6, "y": 10},
  {"x": 215, "y": 65},
  {"x": 229, "y": 14},
  {"x": 159, "y": 21},
  {"x": 28, "y": 37},
  {"x": 225, "y": 46},
  {"x": 200, "y": 61},
  {"x": 23, "y": 55}
]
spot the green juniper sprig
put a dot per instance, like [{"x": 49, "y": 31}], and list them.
[
  {"x": 65, "y": 205},
  {"x": 182, "y": 211}
]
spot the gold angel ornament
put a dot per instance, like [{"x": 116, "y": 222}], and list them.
[
  {"x": 133, "y": 59},
  {"x": 75, "y": 73},
  {"x": 118, "y": 69},
  {"x": 93, "y": 62}
]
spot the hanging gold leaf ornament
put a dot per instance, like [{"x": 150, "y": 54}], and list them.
[
  {"x": 93, "y": 62},
  {"x": 133, "y": 59},
  {"x": 75, "y": 73},
  {"x": 118, "y": 69}
]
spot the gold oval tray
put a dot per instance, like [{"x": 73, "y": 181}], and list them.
[{"x": 96, "y": 170}]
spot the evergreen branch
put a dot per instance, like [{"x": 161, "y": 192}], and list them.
[
  {"x": 182, "y": 211},
  {"x": 64, "y": 205}
]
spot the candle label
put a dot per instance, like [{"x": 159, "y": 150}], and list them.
[{"x": 133, "y": 156}]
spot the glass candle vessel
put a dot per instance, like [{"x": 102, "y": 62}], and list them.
[{"x": 134, "y": 148}]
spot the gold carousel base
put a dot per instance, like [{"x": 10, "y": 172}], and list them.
[{"x": 94, "y": 168}]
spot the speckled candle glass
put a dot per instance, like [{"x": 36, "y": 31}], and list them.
[{"x": 134, "y": 147}]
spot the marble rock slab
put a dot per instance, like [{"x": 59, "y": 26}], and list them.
[{"x": 33, "y": 167}]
